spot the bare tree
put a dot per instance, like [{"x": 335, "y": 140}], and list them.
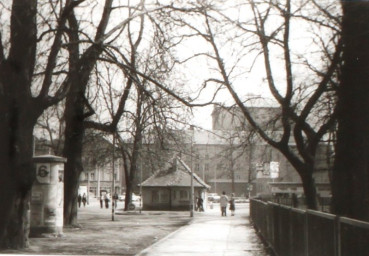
[
  {"x": 298, "y": 84},
  {"x": 31, "y": 61},
  {"x": 146, "y": 99},
  {"x": 78, "y": 108}
]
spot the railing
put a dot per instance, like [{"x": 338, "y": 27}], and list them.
[
  {"x": 323, "y": 202},
  {"x": 293, "y": 232}
]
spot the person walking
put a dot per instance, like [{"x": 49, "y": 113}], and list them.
[
  {"x": 79, "y": 199},
  {"x": 101, "y": 201},
  {"x": 115, "y": 200},
  {"x": 223, "y": 203},
  {"x": 84, "y": 199},
  {"x": 107, "y": 200},
  {"x": 232, "y": 205},
  {"x": 200, "y": 206}
]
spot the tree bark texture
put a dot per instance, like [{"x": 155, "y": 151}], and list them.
[
  {"x": 350, "y": 177},
  {"x": 16, "y": 178},
  {"x": 74, "y": 133},
  {"x": 18, "y": 115}
]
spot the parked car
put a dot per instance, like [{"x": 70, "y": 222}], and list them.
[
  {"x": 241, "y": 200},
  {"x": 213, "y": 197},
  {"x": 135, "y": 203}
]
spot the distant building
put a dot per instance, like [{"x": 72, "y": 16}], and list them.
[
  {"x": 99, "y": 172},
  {"x": 97, "y": 160},
  {"x": 232, "y": 119},
  {"x": 259, "y": 159}
]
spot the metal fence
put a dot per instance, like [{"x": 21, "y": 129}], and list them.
[
  {"x": 323, "y": 202},
  {"x": 293, "y": 232}
]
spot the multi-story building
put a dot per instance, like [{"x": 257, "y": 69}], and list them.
[
  {"x": 231, "y": 158},
  {"x": 100, "y": 174},
  {"x": 256, "y": 158}
]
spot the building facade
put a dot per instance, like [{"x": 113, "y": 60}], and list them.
[{"x": 229, "y": 159}]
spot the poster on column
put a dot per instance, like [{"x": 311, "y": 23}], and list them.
[{"x": 43, "y": 173}]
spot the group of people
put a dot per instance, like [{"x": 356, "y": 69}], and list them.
[
  {"x": 223, "y": 201},
  {"x": 82, "y": 199},
  {"x": 105, "y": 199}
]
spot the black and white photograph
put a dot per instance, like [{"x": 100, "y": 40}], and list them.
[{"x": 184, "y": 127}]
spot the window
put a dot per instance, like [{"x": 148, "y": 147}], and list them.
[
  {"x": 164, "y": 197},
  {"x": 155, "y": 196},
  {"x": 174, "y": 195},
  {"x": 183, "y": 194},
  {"x": 92, "y": 176}
]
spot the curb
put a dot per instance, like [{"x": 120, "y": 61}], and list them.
[{"x": 146, "y": 250}]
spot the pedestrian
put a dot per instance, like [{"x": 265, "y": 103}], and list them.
[
  {"x": 84, "y": 199},
  {"x": 106, "y": 200},
  {"x": 223, "y": 203},
  {"x": 101, "y": 201},
  {"x": 200, "y": 206},
  {"x": 79, "y": 199},
  {"x": 232, "y": 205},
  {"x": 115, "y": 200}
]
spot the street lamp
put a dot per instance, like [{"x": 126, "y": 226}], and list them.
[
  {"x": 192, "y": 188},
  {"x": 113, "y": 181},
  {"x": 192, "y": 194},
  {"x": 141, "y": 182}
]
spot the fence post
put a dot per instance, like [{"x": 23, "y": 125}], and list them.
[
  {"x": 337, "y": 239},
  {"x": 306, "y": 235}
]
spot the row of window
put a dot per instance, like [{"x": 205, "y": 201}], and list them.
[
  {"x": 103, "y": 176},
  {"x": 161, "y": 196}
]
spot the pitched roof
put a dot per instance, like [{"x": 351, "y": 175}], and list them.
[{"x": 178, "y": 174}]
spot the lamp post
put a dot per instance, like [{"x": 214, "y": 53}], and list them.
[
  {"x": 113, "y": 181},
  {"x": 141, "y": 183},
  {"x": 88, "y": 187},
  {"x": 192, "y": 188},
  {"x": 192, "y": 194}
]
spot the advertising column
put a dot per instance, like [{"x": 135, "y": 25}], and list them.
[{"x": 47, "y": 197}]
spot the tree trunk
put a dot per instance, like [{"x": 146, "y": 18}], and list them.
[
  {"x": 16, "y": 175},
  {"x": 74, "y": 132},
  {"x": 305, "y": 171},
  {"x": 350, "y": 178},
  {"x": 308, "y": 184}
]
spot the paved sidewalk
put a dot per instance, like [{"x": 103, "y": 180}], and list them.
[{"x": 213, "y": 235}]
